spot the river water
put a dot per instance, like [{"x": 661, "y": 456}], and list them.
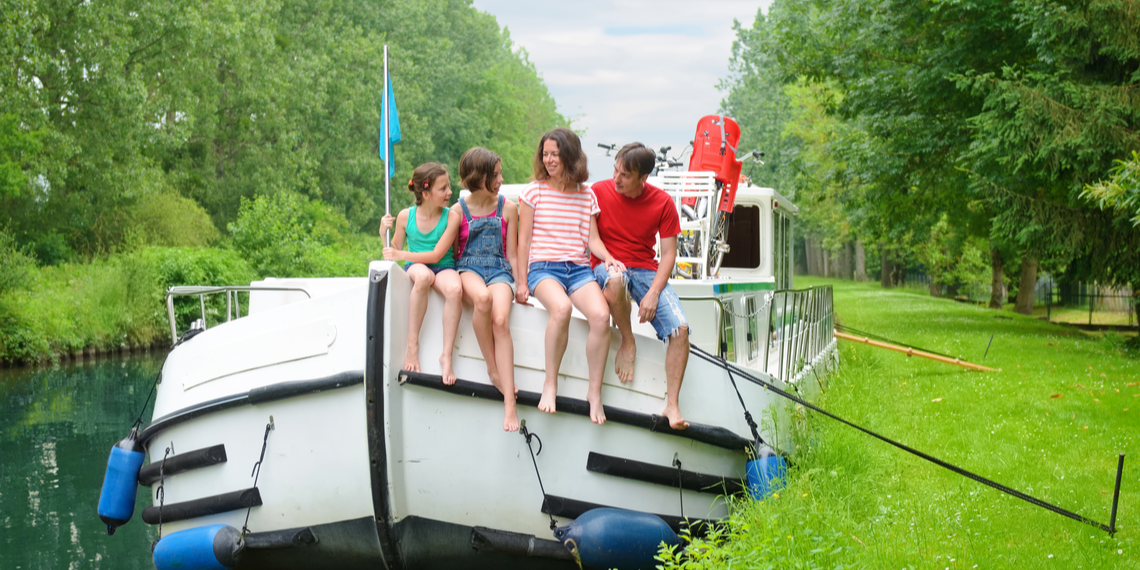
[{"x": 57, "y": 426}]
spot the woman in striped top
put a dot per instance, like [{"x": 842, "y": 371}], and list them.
[{"x": 557, "y": 232}]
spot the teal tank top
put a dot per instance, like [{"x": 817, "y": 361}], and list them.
[{"x": 419, "y": 242}]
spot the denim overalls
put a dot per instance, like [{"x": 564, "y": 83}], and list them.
[{"x": 483, "y": 254}]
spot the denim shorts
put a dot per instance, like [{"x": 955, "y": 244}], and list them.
[
  {"x": 571, "y": 276},
  {"x": 491, "y": 274},
  {"x": 670, "y": 316}
]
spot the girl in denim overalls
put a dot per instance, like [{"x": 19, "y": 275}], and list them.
[{"x": 486, "y": 263}]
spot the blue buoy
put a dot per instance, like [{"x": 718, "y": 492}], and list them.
[
  {"x": 120, "y": 483},
  {"x": 616, "y": 538},
  {"x": 211, "y": 547},
  {"x": 766, "y": 474}
]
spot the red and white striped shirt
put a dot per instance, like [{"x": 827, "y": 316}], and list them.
[{"x": 561, "y": 223}]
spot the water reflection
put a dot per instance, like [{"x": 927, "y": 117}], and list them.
[{"x": 57, "y": 427}]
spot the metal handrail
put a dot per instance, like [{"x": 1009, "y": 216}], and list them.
[
  {"x": 720, "y": 342},
  {"x": 202, "y": 290}
]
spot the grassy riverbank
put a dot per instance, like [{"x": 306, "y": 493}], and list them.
[{"x": 1050, "y": 424}]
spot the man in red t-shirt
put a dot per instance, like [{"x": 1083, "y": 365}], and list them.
[{"x": 633, "y": 214}]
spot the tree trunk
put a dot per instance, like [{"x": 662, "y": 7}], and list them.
[
  {"x": 935, "y": 288},
  {"x": 997, "y": 283},
  {"x": 849, "y": 260},
  {"x": 1025, "y": 288},
  {"x": 860, "y": 262},
  {"x": 826, "y": 256},
  {"x": 885, "y": 268}
]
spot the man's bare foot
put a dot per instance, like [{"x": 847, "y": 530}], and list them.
[
  {"x": 412, "y": 358},
  {"x": 511, "y": 419},
  {"x": 597, "y": 413},
  {"x": 448, "y": 374},
  {"x": 549, "y": 396},
  {"x": 623, "y": 361},
  {"x": 673, "y": 414}
]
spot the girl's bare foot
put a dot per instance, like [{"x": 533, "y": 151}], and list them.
[
  {"x": 597, "y": 413},
  {"x": 549, "y": 396},
  {"x": 412, "y": 358},
  {"x": 673, "y": 414},
  {"x": 448, "y": 374},
  {"x": 623, "y": 361},
  {"x": 511, "y": 419}
]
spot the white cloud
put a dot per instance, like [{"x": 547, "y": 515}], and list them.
[{"x": 628, "y": 70}]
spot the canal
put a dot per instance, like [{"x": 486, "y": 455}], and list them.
[{"x": 58, "y": 426}]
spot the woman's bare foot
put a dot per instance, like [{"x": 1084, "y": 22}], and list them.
[
  {"x": 597, "y": 413},
  {"x": 511, "y": 419},
  {"x": 412, "y": 358},
  {"x": 623, "y": 361},
  {"x": 673, "y": 414},
  {"x": 448, "y": 374},
  {"x": 549, "y": 396}
]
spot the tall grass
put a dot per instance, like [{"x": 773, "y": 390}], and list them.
[{"x": 1050, "y": 424}]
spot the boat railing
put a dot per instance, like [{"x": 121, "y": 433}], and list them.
[
  {"x": 233, "y": 302},
  {"x": 721, "y": 343},
  {"x": 695, "y": 196},
  {"x": 801, "y": 335}
]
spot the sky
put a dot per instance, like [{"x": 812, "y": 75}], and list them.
[{"x": 628, "y": 70}]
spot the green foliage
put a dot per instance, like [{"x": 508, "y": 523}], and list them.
[
  {"x": 108, "y": 303},
  {"x": 15, "y": 264},
  {"x": 286, "y": 235},
  {"x": 1119, "y": 193},
  {"x": 111, "y": 109},
  {"x": 170, "y": 220},
  {"x": 1051, "y": 424},
  {"x": 952, "y": 258}
]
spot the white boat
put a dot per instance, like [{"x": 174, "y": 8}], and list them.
[{"x": 364, "y": 465}]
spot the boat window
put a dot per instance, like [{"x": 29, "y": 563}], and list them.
[
  {"x": 729, "y": 330},
  {"x": 743, "y": 238},
  {"x": 782, "y": 249},
  {"x": 753, "y": 328}
]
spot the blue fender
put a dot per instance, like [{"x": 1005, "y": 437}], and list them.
[
  {"x": 120, "y": 483},
  {"x": 767, "y": 474},
  {"x": 616, "y": 538},
  {"x": 213, "y": 547}
]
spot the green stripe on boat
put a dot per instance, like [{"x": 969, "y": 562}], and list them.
[{"x": 719, "y": 288}]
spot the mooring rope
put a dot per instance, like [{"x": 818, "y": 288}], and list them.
[
  {"x": 857, "y": 332},
  {"x": 256, "y": 474},
  {"x": 529, "y": 435},
  {"x": 722, "y": 363},
  {"x": 160, "y": 493}
]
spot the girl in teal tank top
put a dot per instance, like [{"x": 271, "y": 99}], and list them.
[{"x": 429, "y": 261}]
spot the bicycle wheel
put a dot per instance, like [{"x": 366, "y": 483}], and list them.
[{"x": 718, "y": 244}]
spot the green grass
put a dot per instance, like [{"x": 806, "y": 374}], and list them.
[{"x": 1050, "y": 424}]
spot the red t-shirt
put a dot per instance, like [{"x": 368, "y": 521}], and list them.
[{"x": 629, "y": 226}]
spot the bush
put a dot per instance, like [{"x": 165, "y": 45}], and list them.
[
  {"x": 112, "y": 302},
  {"x": 287, "y": 235},
  {"x": 169, "y": 220}
]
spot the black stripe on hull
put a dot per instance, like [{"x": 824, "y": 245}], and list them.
[
  {"x": 704, "y": 433},
  {"x": 427, "y": 544},
  {"x": 374, "y": 390},
  {"x": 182, "y": 463},
  {"x": 279, "y": 391},
  {"x": 205, "y": 506},
  {"x": 662, "y": 475}
]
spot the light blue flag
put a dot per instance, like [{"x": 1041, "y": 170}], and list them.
[{"x": 393, "y": 132}]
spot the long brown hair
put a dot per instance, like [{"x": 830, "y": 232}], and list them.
[
  {"x": 477, "y": 168},
  {"x": 423, "y": 178},
  {"x": 569, "y": 152}
]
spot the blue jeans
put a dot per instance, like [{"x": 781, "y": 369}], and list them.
[
  {"x": 670, "y": 316},
  {"x": 571, "y": 276}
]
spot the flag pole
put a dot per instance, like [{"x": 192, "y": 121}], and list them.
[{"x": 387, "y": 145}]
